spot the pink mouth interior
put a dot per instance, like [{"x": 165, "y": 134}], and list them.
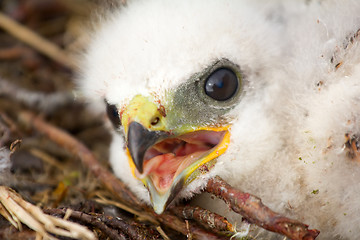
[{"x": 167, "y": 159}]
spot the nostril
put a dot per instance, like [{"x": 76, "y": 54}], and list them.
[{"x": 155, "y": 121}]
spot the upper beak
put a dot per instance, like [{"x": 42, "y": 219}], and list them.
[{"x": 139, "y": 140}]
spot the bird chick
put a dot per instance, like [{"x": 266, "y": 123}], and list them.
[{"x": 264, "y": 95}]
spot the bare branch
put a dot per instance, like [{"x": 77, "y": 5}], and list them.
[
  {"x": 34, "y": 40},
  {"x": 204, "y": 217},
  {"x": 251, "y": 208}
]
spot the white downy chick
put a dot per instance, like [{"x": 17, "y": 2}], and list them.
[{"x": 265, "y": 95}]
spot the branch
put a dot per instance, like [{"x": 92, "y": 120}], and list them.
[
  {"x": 251, "y": 208},
  {"x": 87, "y": 219},
  {"x": 34, "y": 40},
  {"x": 204, "y": 217}
]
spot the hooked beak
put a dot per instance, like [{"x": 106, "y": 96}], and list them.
[{"x": 139, "y": 141}]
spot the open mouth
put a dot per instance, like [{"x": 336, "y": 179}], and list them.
[{"x": 167, "y": 159}]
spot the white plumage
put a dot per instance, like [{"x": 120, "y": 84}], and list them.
[{"x": 301, "y": 95}]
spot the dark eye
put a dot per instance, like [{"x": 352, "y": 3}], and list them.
[
  {"x": 113, "y": 115},
  {"x": 222, "y": 84}
]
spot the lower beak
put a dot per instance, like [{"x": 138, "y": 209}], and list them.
[
  {"x": 162, "y": 200},
  {"x": 139, "y": 140}
]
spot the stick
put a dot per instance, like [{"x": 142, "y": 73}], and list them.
[
  {"x": 204, "y": 217},
  {"x": 89, "y": 220},
  {"x": 34, "y": 40},
  {"x": 251, "y": 208},
  {"x": 107, "y": 224}
]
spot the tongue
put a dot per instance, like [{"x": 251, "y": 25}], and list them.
[
  {"x": 156, "y": 164},
  {"x": 167, "y": 164},
  {"x": 166, "y": 160},
  {"x": 165, "y": 181},
  {"x": 163, "y": 168}
]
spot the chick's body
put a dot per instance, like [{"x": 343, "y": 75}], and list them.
[{"x": 299, "y": 108}]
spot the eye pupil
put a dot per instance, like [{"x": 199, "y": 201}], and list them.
[
  {"x": 222, "y": 84},
  {"x": 113, "y": 115},
  {"x": 219, "y": 84}
]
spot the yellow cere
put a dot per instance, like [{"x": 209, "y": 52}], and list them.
[{"x": 144, "y": 111}]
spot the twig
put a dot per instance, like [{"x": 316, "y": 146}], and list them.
[
  {"x": 188, "y": 235},
  {"x": 145, "y": 217},
  {"x": 251, "y": 208},
  {"x": 34, "y": 40},
  {"x": 46, "y": 158},
  {"x": 12, "y": 53},
  {"x": 162, "y": 233},
  {"x": 204, "y": 217},
  {"x": 9, "y": 123},
  {"x": 93, "y": 221},
  {"x": 96, "y": 220},
  {"x": 4, "y": 132},
  {"x": 175, "y": 223},
  {"x": 133, "y": 230}
]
